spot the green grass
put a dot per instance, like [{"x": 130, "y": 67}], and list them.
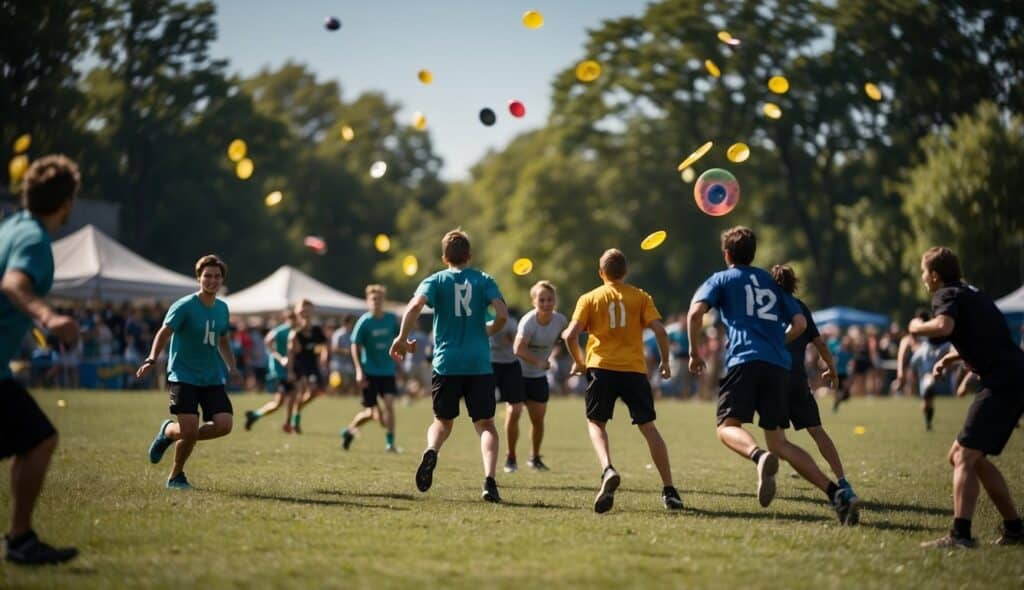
[{"x": 271, "y": 510}]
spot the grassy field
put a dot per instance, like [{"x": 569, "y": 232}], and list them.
[{"x": 272, "y": 510}]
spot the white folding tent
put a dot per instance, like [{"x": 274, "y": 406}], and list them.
[
  {"x": 286, "y": 286},
  {"x": 89, "y": 264},
  {"x": 1012, "y": 303}
]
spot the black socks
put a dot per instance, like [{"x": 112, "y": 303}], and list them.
[
  {"x": 961, "y": 528},
  {"x": 756, "y": 454}
]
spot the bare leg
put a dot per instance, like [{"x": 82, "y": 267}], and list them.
[
  {"x": 186, "y": 432},
  {"x": 512, "y": 413},
  {"x": 599, "y": 438},
  {"x": 965, "y": 480},
  {"x": 488, "y": 444},
  {"x": 996, "y": 488},
  {"x": 438, "y": 432},
  {"x": 659, "y": 452},
  {"x": 27, "y": 474},
  {"x": 827, "y": 449},
  {"x": 733, "y": 436},
  {"x": 271, "y": 406},
  {"x": 537, "y": 410},
  {"x": 797, "y": 457},
  {"x": 387, "y": 413},
  {"x": 362, "y": 417}
]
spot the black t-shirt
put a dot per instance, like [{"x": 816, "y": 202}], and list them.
[
  {"x": 797, "y": 347},
  {"x": 308, "y": 341},
  {"x": 981, "y": 335}
]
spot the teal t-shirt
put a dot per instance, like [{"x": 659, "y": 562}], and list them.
[
  {"x": 460, "y": 299},
  {"x": 24, "y": 246},
  {"x": 194, "y": 357},
  {"x": 374, "y": 336},
  {"x": 279, "y": 336}
]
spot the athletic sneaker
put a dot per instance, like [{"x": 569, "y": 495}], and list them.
[
  {"x": 949, "y": 542},
  {"x": 537, "y": 464},
  {"x": 845, "y": 507},
  {"x": 1008, "y": 538},
  {"x": 346, "y": 439},
  {"x": 32, "y": 551},
  {"x": 391, "y": 449},
  {"x": 250, "y": 419},
  {"x": 671, "y": 498},
  {"x": 606, "y": 495},
  {"x": 159, "y": 445},
  {"x": 179, "y": 482},
  {"x": 767, "y": 467},
  {"x": 287, "y": 428},
  {"x": 425, "y": 472},
  {"x": 854, "y": 517},
  {"x": 490, "y": 493},
  {"x": 511, "y": 466}
]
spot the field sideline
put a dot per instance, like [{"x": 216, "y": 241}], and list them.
[{"x": 272, "y": 510}]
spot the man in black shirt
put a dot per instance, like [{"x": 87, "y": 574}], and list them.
[
  {"x": 980, "y": 337},
  {"x": 307, "y": 351}
]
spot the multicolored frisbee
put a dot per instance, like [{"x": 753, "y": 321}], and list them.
[{"x": 716, "y": 192}]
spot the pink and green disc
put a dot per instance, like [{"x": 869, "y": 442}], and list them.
[{"x": 716, "y": 192}]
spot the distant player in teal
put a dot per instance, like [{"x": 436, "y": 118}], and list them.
[
  {"x": 276, "y": 342},
  {"x": 197, "y": 327},
  {"x": 26, "y": 267},
  {"x": 375, "y": 369},
  {"x": 459, "y": 296}
]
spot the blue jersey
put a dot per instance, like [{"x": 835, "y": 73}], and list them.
[
  {"x": 755, "y": 310},
  {"x": 374, "y": 337},
  {"x": 460, "y": 298},
  {"x": 194, "y": 357},
  {"x": 279, "y": 338},
  {"x": 25, "y": 247}
]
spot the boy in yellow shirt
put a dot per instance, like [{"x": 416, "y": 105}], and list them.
[{"x": 614, "y": 315}]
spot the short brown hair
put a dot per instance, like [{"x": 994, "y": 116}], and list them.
[
  {"x": 785, "y": 277},
  {"x": 303, "y": 303},
  {"x": 614, "y": 264},
  {"x": 455, "y": 247},
  {"x": 376, "y": 288},
  {"x": 49, "y": 183},
  {"x": 542, "y": 285},
  {"x": 943, "y": 262},
  {"x": 211, "y": 260},
  {"x": 741, "y": 244}
]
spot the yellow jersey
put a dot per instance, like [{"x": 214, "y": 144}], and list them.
[{"x": 614, "y": 315}]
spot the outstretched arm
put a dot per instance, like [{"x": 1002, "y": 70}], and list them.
[
  {"x": 401, "y": 344},
  {"x": 694, "y": 323}
]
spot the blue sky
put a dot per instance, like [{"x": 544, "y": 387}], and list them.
[{"x": 479, "y": 52}]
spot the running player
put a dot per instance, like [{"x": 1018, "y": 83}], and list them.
[
  {"x": 922, "y": 362},
  {"x": 755, "y": 311},
  {"x": 615, "y": 315},
  {"x": 197, "y": 326},
  {"x": 276, "y": 343},
  {"x": 375, "y": 369},
  {"x": 26, "y": 268},
  {"x": 307, "y": 351},
  {"x": 980, "y": 337},
  {"x": 538, "y": 332},
  {"x": 459, "y": 296},
  {"x": 802, "y": 408},
  {"x": 508, "y": 377}
]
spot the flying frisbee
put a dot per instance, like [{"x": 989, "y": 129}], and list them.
[
  {"x": 692, "y": 158},
  {"x": 533, "y": 19},
  {"x": 273, "y": 198},
  {"x": 410, "y": 265},
  {"x": 738, "y": 152},
  {"x": 237, "y": 150},
  {"x": 516, "y": 108},
  {"x": 588, "y": 71},
  {"x": 716, "y": 192},
  {"x": 654, "y": 240},
  {"x": 382, "y": 243},
  {"x": 487, "y": 117},
  {"x": 332, "y": 23},
  {"x": 24, "y": 141},
  {"x": 712, "y": 68},
  {"x": 522, "y": 267}
]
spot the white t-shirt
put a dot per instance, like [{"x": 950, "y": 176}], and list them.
[{"x": 540, "y": 339}]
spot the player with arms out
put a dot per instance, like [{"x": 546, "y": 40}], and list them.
[
  {"x": 755, "y": 311},
  {"x": 459, "y": 296},
  {"x": 276, "y": 342},
  {"x": 614, "y": 316},
  {"x": 197, "y": 327}
]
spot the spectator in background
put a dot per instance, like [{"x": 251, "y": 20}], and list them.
[
  {"x": 341, "y": 355},
  {"x": 257, "y": 358}
]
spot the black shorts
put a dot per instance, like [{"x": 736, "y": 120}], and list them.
[
  {"x": 187, "y": 399},
  {"x": 536, "y": 389},
  {"x": 754, "y": 386},
  {"x": 509, "y": 379},
  {"x": 285, "y": 387},
  {"x": 801, "y": 407},
  {"x": 378, "y": 385},
  {"x": 312, "y": 375},
  {"x": 23, "y": 425},
  {"x": 861, "y": 366},
  {"x": 478, "y": 391},
  {"x": 991, "y": 419},
  {"x": 605, "y": 386}
]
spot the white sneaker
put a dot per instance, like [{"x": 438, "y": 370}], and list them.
[{"x": 767, "y": 467}]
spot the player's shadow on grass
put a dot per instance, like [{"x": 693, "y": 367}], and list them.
[
  {"x": 384, "y": 495},
  {"x": 570, "y": 488},
  {"x": 747, "y": 514},
  {"x": 514, "y": 504},
  {"x": 313, "y": 501}
]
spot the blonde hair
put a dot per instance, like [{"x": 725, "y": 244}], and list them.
[
  {"x": 542, "y": 285},
  {"x": 376, "y": 288}
]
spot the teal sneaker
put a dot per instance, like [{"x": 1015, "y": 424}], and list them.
[
  {"x": 160, "y": 444},
  {"x": 179, "y": 482},
  {"x": 854, "y": 501}
]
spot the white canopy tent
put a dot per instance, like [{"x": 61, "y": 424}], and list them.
[
  {"x": 89, "y": 264},
  {"x": 1012, "y": 303},
  {"x": 286, "y": 286}
]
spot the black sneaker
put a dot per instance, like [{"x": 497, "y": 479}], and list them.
[
  {"x": 1008, "y": 538},
  {"x": 606, "y": 495},
  {"x": 949, "y": 542},
  {"x": 250, "y": 419},
  {"x": 490, "y": 493},
  {"x": 671, "y": 498},
  {"x": 767, "y": 467},
  {"x": 425, "y": 472},
  {"x": 32, "y": 551},
  {"x": 511, "y": 466},
  {"x": 846, "y": 509},
  {"x": 346, "y": 439},
  {"x": 537, "y": 464}
]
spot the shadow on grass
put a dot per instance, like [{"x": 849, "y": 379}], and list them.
[
  {"x": 871, "y": 505},
  {"x": 385, "y": 495},
  {"x": 572, "y": 488},
  {"x": 512, "y": 504},
  {"x": 313, "y": 501},
  {"x": 746, "y": 515}
]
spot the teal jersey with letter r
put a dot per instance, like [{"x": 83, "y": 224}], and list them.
[
  {"x": 374, "y": 337},
  {"x": 460, "y": 298},
  {"x": 194, "y": 357},
  {"x": 25, "y": 247}
]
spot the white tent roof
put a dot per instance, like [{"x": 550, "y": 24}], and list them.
[
  {"x": 1012, "y": 303},
  {"x": 286, "y": 286},
  {"x": 89, "y": 264}
]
